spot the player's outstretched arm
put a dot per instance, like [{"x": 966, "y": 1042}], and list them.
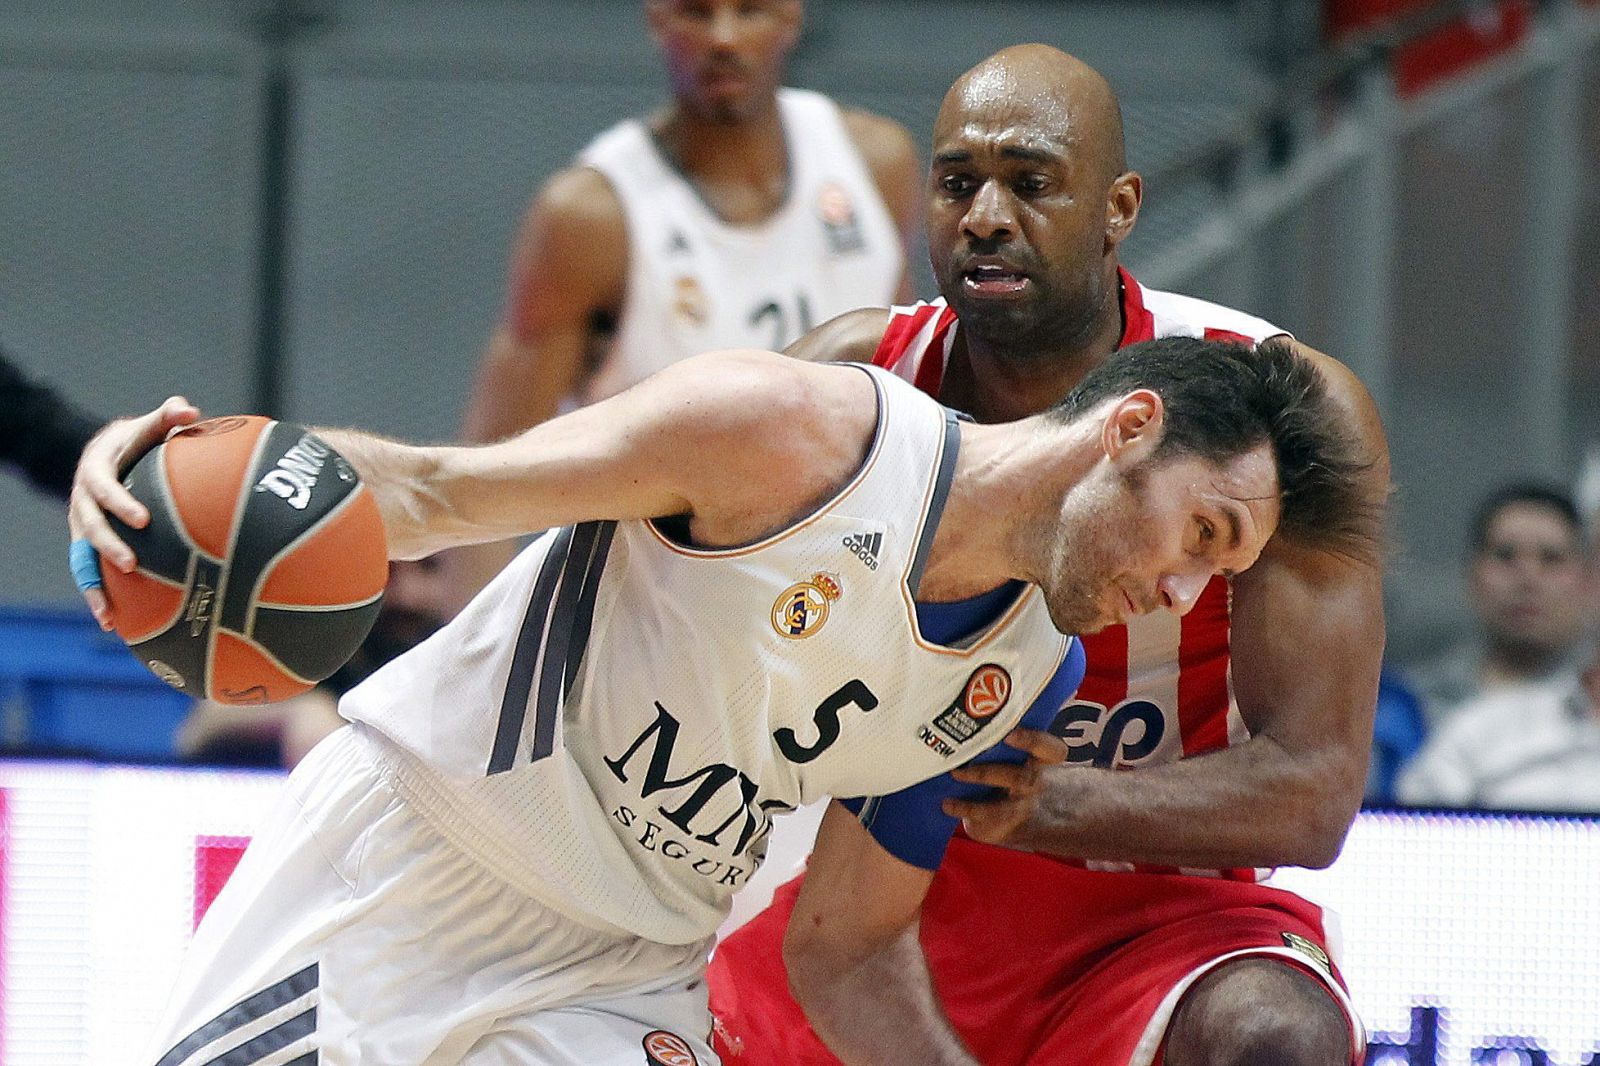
[
  {"x": 1307, "y": 648},
  {"x": 854, "y": 957},
  {"x": 742, "y": 442}
]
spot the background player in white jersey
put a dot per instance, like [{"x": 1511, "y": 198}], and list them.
[
  {"x": 521, "y": 849},
  {"x": 1142, "y": 936},
  {"x": 740, "y": 215}
]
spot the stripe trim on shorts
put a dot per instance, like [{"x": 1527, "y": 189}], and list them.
[{"x": 210, "y": 1037}]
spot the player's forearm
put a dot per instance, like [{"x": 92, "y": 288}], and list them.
[
  {"x": 1254, "y": 804},
  {"x": 875, "y": 1007},
  {"x": 422, "y": 492}
]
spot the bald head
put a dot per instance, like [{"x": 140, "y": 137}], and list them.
[
  {"x": 1044, "y": 93},
  {"x": 1029, "y": 200}
]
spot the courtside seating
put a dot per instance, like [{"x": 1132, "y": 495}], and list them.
[{"x": 66, "y": 688}]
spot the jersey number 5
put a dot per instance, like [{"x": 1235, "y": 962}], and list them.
[{"x": 851, "y": 693}]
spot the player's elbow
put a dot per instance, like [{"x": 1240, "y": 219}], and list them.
[
  {"x": 1321, "y": 845},
  {"x": 822, "y": 962},
  {"x": 1324, "y": 822},
  {"x": 808, "y": 961}
]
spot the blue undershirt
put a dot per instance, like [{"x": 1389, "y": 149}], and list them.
[{"x": 911, "y": 824}]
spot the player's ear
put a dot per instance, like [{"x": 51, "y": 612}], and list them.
[
  {"x": 1132, "y": 428},
  {"x": 793, "y": 14},
  {"x": 1122, "y": 207},
  {"x": 655, "y": 14}
]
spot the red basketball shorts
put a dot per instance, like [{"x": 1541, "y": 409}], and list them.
[{"x": 1039, "y": 962}]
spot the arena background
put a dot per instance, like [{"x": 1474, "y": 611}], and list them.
[{"x": 303, "y": 208}]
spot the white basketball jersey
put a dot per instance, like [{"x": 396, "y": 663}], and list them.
[
  {"x": 613, "y": 722},
  {"x": 697, "y": 283}
]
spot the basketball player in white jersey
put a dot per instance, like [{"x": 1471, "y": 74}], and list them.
[
  {"x": 522, "y": 847},
  {"x": 1141, "y": 935},
  {"x": 740, "y": 215}
]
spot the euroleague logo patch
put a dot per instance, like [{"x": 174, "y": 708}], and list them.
[
  {"x": 985, "y": 694},
  {"x": 662, "y": 1048},
  {"x": 802, "y": 608},
  {"x": 987, "y": 691},
  {"x": 839, "y": 222}
]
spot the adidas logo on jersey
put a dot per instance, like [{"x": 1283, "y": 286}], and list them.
[{"x": 864, "y": 546}]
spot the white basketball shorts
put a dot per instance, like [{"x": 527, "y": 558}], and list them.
[{"x": 352, "y": 933}]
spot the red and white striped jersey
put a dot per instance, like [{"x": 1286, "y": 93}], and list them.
[{"x": 1157, "y": 690}]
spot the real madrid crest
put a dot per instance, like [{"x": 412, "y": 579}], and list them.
[
  {"x": 689, "y": 301},
  {"x": 802, "y": 609}
]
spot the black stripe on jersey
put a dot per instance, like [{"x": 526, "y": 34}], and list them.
[
  {"x": 584, "y": 621},
  {"x": 246, "y": 1011},
  {"x": 941, "y": 492},
  {"x": 525, "y": 660},
  {"x": 555, "y": 664}
]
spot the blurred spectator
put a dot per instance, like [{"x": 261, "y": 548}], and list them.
[
  {"x": 40, "y": 432},
  {"x": 415, "y": 604},
  {"x": 1398, "y": 731},
  {"x": 1516, "y": 749},
  {"x": 1527, "y": 579}
]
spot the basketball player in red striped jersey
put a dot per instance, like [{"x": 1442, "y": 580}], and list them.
[{"x": 1121, "y": 918}]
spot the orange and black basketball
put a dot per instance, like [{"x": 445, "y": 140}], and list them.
[{"x": 262, "y": 566}]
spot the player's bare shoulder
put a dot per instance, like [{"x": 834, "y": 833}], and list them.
[
  {"x": 891, "y": 155},
  {"x": 581, "y": 195},
  {"x": 1363, "y": 421},
  {"x": 880, "y": 139},
  {"x": 852, "y": 337},
  {"x": 772, "y": 438},
  {"x": 576, "y": 230},
  {"x": 788, "y": 413}
]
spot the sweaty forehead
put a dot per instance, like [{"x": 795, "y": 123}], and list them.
[
  {"x": 1251, "y": 473},
  {"x": 1249, "y": 482},
  {"x": 996, "y": 108}
]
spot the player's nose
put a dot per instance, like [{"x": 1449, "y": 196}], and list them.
[
  {"x": 1181, "y": 591},
  {"x": 724, "y": 27},
  {"x": 989, "y": 216}
]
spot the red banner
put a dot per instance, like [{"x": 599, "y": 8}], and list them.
[{"x": 1496, "y": 28}]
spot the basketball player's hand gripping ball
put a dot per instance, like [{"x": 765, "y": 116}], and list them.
[{"x": 261, "y": 567}]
